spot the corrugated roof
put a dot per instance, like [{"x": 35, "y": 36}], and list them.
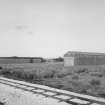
[{"x": 69, "y": 53}]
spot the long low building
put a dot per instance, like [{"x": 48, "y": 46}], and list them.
[
  {"x": 73, "y": 58},
  {"x": 19, "y": 60}
]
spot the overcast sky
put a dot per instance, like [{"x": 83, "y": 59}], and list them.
[{"x": 50, "y": 28}]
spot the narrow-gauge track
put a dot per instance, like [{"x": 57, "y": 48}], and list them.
[{"x": 63, "y": 96}]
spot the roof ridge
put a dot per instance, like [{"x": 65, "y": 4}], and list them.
[{"x": 80, "y": 52}]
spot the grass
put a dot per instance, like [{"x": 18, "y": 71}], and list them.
[{"x": 82, "y": 79}]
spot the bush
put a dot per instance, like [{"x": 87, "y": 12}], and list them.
[
  {"x": 59, "y": 59},
  {"x": 5, "y": 72},
  {"x": 1, "y": 67},
  {"x": 95, "y": 82},
  {"x": 102, "y": 95},
  {"x": 84, "y": 70},
  {"x": 16, "y": 74},
  {"x": 50, "y": 74},
  {"x": 97, "y": 74},
  {"x": 75, "y": 77},
  {"x": 62, "y": 75}
]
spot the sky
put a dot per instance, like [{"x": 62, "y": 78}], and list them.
[{"x": 50, "y": 28}]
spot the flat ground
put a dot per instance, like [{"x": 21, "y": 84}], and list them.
[{"x": 81, "y": 79}]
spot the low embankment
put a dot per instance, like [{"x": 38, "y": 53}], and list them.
[
  {"x": 88, "y": 80},
  {"x": 23, "y": 93}
]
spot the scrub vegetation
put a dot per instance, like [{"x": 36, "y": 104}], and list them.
[{"x": 82, "y": 79}]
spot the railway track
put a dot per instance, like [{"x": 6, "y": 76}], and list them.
[{"x": 70, "y": 98}]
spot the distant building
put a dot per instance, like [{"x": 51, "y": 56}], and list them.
[
  {"x": 73, "y": 58},
  {"x": 19, "y": 60}
]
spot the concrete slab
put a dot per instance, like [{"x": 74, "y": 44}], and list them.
[
  {"x": 50, "y": 93},
  {"x": 10, "y": 83},
  {"x": 95, "y": 104},
  {"x": 26, "y": 87},
  {"x": 79, "y": 101},
  {"x": 21, "y": 86},
  {"x": 64, "y": 97},
  {"x": 29, "y": 88},
  {"x": 38, "y": 90},
  {"x": 63, "y": 103},
  {"x": 50, "y": 101}
]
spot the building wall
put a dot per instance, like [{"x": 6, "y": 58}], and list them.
[
  {"x": 84, "y": 59},
  {"x": 90, "y": 60},
  {"x": 10, "y": 61},
  {"x": 36, "y": 60},
  {"x": 19, "y": 60},
  {"x": 69, "y": 61}
]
